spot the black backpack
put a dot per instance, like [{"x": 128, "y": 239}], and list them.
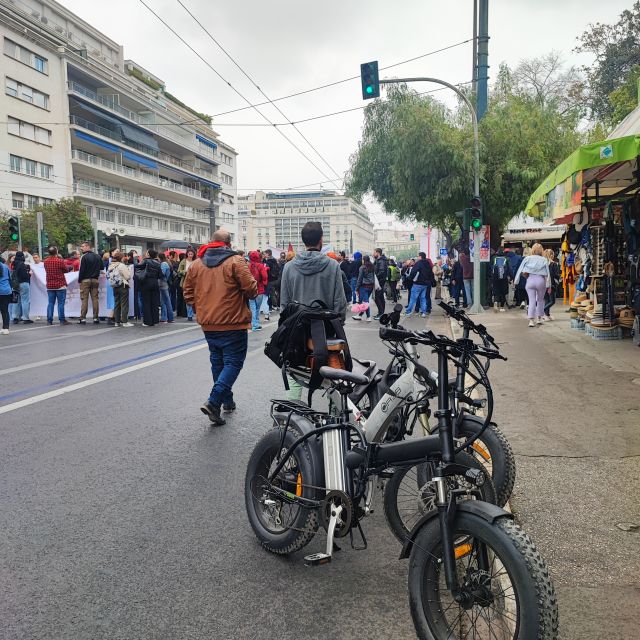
[{"x": 298, "y": 322}]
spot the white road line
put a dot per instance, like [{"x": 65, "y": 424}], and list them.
[
  {"x": 71, "y": 356},
  {"x": 75, "y": 334},
  {"x": 92, "y": 381},
  {"x": 40, "y": 327}
]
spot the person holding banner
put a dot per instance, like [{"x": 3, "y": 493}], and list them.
[
  {"x": 88, "y": 277},
  {"x": 56, "y": 269}
]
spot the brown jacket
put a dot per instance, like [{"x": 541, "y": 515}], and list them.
[{"x": 218, "y": 286}]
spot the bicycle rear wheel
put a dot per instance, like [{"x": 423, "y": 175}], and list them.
[{"x": 506, "y": 589}]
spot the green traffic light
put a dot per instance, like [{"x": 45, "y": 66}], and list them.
[
  {"x": 476, "y": 223},
  {"x": 14, "y": 237},
  {"x": 369, "y": 89}
]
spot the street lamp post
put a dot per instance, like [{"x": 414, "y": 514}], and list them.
[{"x": 477, "y": 306}]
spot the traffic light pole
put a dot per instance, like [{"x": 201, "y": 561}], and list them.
[{"x": 476, "y": 306}]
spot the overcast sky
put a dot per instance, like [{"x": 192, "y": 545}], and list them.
[{"x": 292, "y": 45}]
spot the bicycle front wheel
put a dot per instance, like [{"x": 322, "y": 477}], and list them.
[{"x": 507, "y": 593}]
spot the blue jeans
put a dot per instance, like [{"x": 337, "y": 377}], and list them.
[
  {"x": 189, "y": 311},
  {"x": 20, "y": 309},
  {"x": 227, "y": 352},
  {"x": 255, "y": 305},
  {"x": 419, "y": 296},
  {"x": 354, "y": 292},
  {"x": 166, "y": 311},
  {"x": 59, "y": 296},
  {"x": 365, "y": 294}
]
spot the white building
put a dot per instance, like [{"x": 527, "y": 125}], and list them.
[
  {"x": 85, "y": 122},
  {"x": 274, "y": 220}
]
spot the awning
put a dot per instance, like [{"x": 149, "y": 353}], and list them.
[
  {"x": 97, "y": 141},
  {"x": 143, "y": 161},
  {"x": 209, "y": 143},
  {"x": 93, "y": 111},
  {"x": 538, "y": 234},
  {"x": 138, "y": 135},
  {"x": 560, "y": 193}
]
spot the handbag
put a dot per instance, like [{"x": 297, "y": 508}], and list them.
[{"x": 15, "y": 296}]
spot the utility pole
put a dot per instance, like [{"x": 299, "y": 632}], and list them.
[
  {"x": 482, "y": 74},
  {"x": 40, "y": 223},
  {"x": 474, "y": 63}
]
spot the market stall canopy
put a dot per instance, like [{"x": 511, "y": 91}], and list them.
[{"x": 595, "y": 171}]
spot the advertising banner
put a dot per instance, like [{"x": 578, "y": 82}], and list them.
[
  {"x": 39, "y": 298},
  {"x": 485, "y": 246}
]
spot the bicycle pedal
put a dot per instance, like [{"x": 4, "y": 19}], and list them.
[{"x": 316, "y": 559}]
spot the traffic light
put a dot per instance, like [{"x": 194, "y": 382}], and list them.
[
  {"x": 412, "y": 237},
  {"x": 476, "y": 213},
  {"x": 14, "y": 229},
  {"x": 370, "y": 80}
]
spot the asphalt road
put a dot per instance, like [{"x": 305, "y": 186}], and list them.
[{"x": 122, "y": 512}]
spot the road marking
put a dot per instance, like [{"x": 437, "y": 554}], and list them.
[
  {"x": 71, "y": 356},
  {"x": 84, "y": 374},
  {"x": 38, "y": 328},
  {"x": 76, "y": 334},
  {"x": 93, "y": 381}
]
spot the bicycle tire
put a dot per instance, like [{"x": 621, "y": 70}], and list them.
[
  {"x": 532, "y": 607},
  {"x": 408, "y": 495},
  {"x": 303, "y": 524}
]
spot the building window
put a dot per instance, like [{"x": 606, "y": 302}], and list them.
[
  {"x": 19, "y": 53},
  {"x": 176, "y": 227},
  {"x": 145, "y": 222},
  {"x": 163, "y": 225},
  {"x": 32, "y": 201},
  {"x": 28, "y": 131},
  {"x": 106, "y": 215},
  {"x": 21, "y": 91},
  {"x": 45, "y": 171},
  {"x": 228, "y": 179},
  {"x": 89, "y": 210},
  {"x": 17, "y": 200},
  {"x": 16, "y": 163},
  {"x": 126, "y": 218},
  {"x": 31, "y": 167}
]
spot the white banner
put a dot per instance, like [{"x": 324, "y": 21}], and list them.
[{"x": 39, "y": 298}]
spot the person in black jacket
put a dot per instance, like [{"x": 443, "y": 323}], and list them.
[
  {"x": 457, "y": 284},
  {"x": 421, "y": 278},
  {"x": 21, "y": 281},
  {"x": 88, "y": 275},
  {"x": 381, "y": 267},
  {"x": 147, "y": 274}
]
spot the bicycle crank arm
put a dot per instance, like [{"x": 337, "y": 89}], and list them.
[{"x": 324, "y": 558}]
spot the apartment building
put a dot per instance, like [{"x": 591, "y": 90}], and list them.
[
  {"x": 274, "y": 220},
  {"x": 83, "y": 121}
]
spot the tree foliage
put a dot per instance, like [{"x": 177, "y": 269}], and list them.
[
  {"x": 612, "y": 78},
  {"x": 65, "y": 221},
  {"x": 415, "y": 156}
]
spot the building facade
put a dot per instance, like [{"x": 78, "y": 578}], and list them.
[
  {"x": 274, "y": 220},
  {"x": 82, "y": 121}
]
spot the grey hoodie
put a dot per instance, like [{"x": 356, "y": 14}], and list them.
[{"x": 313, "y": 276}]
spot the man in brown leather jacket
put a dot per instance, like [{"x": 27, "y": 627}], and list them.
[{"x": 218, "y": 286}]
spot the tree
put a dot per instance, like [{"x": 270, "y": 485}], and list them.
[
  {"x": 413, "y": 159},
  {"x": 616, "y": 49},
  {"x": 65, "y": 222}
]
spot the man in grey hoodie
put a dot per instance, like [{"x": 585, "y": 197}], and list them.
[{"x": 312, "y": 276}]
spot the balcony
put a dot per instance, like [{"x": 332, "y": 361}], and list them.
[
  {"x": 78, "y": 121},
  {"x": 147, "y": 203},
  {"x": 165, "y": 131},
  {"x": 134, "y": 174}
]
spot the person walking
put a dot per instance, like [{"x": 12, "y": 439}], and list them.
[
  {"x": 437, "y": 276},
  {"x": 457, "y": 283},
  {"x": 119, "y": 277},
  {"x": 536, "y": 266},
  {"x": 55, "y": 270},
  {"x": 184, "y": 266},
  {"x": 467, "y": 276},
  {"x": 88, "y": 279},
  {"x": 6, "y": 295},
  {"x": 393, "y": 279},
  {"x": 166, "y": 309},
  {"x": 356, "y": 263},
  {"x": 421, "y": 277},
  {"x": 554, "y": 276},
  {"x": 500, "y": 275},
  {"x": 172, "y": 259},
  {"x": 312, "y": 276},
  {"x": 381, "y": 267},
  {"x": 148, "y": 274},
  {"x": 218, "y": 286},
  {"x": 21, "y": 282},
  {"x": 273, "y": 275},
  {"x": 404, "y": 274},
  {"x": 260, "y": 275},
  {"x": 519, "y": 294},
  {"x": 365, "y": 285},
  {"x": 132, "y": 260}
]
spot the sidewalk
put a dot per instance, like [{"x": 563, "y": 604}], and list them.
[{"x": 570, "y": 407}]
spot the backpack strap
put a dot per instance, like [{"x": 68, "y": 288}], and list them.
[{"x": 320, "y": 351}]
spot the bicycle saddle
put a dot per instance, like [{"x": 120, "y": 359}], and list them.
[{"x": 341, "y": 374}]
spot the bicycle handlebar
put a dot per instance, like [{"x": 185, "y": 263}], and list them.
[{"x": 461, "y": 316}]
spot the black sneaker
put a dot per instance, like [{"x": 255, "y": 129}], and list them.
[
  {"x": 229, "y": 407},
  {"x": 376, "y": 317},
  {"x": 213, "y": 413},
  {"x": 96, "y": 321},
  {"x": 16, "y": 321},
  {"x": 27, "y": 322},
  {"x": 81, "y": 321}
]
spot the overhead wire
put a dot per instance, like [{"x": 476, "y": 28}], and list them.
[
  {"x": 210, "y": 66},
  {"x": 255, "y": 84}
]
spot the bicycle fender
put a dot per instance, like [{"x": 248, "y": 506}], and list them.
[
  {"x": 304, "y": 426},
  {"x": 485, "y": 510}
]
